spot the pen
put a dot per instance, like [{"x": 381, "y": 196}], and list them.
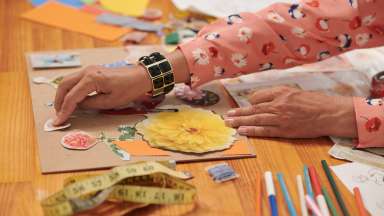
[
  {"x": 300, "y": 188},
  {"x": 287, "y": 197},
  {"x": 312, "y": 205},
  {"x": 317, "y": 189},
  {"x": 271, "y": 193},
  {"x": 334, "y": 188}
]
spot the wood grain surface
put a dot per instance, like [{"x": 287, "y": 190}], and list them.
[{"x": 22, "y": 185}]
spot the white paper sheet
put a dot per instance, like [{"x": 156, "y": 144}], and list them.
[
  {"x": 223, "y": 8},
  {"x": 370, "y": 181}
]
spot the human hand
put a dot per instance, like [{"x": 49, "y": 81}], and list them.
[
  {"x": 114, "y": 87},
  {"x": 293, "y": 113}
]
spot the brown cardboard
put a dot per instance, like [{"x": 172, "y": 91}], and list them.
[{"x": 55, "y": 158}]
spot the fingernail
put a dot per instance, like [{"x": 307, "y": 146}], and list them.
[
  {"x": 229, "y": 122},
  {"x": 231, "y": 112},
  {"x": 242, "y": 131}
]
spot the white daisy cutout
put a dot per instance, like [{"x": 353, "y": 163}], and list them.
[
  {"x": 368, "y": 20},
  {"x": 299, "y": 32},
  {"x": 245, "y": 34},
  {"x": 239, "y": 60},
  {"x": 275, "y": 17},
  {"x": 201, "y": 57},
  {"x": 362, "y": 39}
]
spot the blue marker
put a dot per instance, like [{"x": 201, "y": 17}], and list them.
[
  {"x": 287, "y": 197},
  {"x": 271, "y": 193}
]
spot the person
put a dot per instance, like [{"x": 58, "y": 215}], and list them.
[{"x": 279, "y": 36}]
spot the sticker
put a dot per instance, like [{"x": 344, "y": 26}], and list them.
[
  {"x": 143, "y": 182},
  {"x": 61, "y": 60},
  {"x": 48, "y": 126},
  {"x": 123, "y": 155},
  {"x": 192, "y": 130},
  {"x": 78, "y": 140},
  {"x": 196, "y": 97},
  {"x": 221, "y": 172}
]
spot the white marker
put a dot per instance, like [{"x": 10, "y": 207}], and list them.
[
  {"x": 300, "y": 188},
  {"x": 271, "y": 193}
]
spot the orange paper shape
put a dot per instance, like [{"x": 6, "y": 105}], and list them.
[
  {"x": 140, "y": 148},
  {"x": 240, "y": 147},
  {"x": 68, "y": 18}
]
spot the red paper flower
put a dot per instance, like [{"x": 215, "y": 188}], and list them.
[{"x": 373, "y": 124}]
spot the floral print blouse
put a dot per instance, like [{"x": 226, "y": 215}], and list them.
[{"x": 285, "y": 35}]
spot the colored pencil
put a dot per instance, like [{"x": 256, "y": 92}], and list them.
[
  {"x": 329, "y": 202},
  {"x": 312, "y": 205},
  {"x": 335, "y": 189},
  {"x": 317, "y": 188},
  {"x": 271, "y": 193},
  {"x": 300, "y": 188},
  {"x": 308, "y": 185},
  {"x": 359, "y": 202},
  {"x": 287, "y": 197},
  {"x": 258, "y": 194}
]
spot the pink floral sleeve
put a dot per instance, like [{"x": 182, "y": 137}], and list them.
[{"x": 285, "y": 35}]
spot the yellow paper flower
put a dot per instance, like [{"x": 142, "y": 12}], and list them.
[{"x": 192, "y": 130}]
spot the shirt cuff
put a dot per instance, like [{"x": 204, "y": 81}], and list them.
[{"x": 370, "y": 120}]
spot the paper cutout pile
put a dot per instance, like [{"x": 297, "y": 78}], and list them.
[{"x": 191, "y": 130}]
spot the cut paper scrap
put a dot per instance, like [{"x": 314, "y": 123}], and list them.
[
  {"x": 78, "y": 140},
  {"x": 191, "y": 130},
  {"x": 48, "y": 126},
  {"x": 139, "y": 148},
  {"x": 126, "y": 7},
  {"x": 73, "y": 3},
  {"x": 240, "y": 147},
  {"x": 68, "y": 18}
]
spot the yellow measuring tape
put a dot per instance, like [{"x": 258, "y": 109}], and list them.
[{"x": 144, "y": 182}]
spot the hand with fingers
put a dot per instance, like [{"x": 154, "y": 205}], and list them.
[
  {"x": 114, "y": 87},
  {"x": 289, "y": 112}
]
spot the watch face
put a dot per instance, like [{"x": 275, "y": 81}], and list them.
[
  {"x": 158, "y": 82},
  {"x": 168, "y": 79},
  {"x": 165, "y": 67},
  {"x": 157, "y": 56},
  {"x": 154, "y": 71}
]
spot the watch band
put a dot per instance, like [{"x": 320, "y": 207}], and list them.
[{"x": 160, "y": 72}]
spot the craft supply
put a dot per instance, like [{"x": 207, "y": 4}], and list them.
[
  {"x": 152, "y": 14},
  {"x": 308, "y": 185},
  {"x": 118, "y": 64},
  {"x": 328, "y": 199},
  {"x": 108, "y": 141},
  {"x": 130, "y": 22},
  {"x": 317, "y": 189},
  {"x": 300, "y": 189},
  {"x": 48, "y": 126},
  {"x": 312, "y": 206},
  {"x": 359, "y": 202},
  {"x": 196, "y": 97},
  {"x": 369, "y": 180},
  {"x": 125, "y": 7},
  {"x": 68, "y": 18},
  {"x": 377, "y": 86},
  {"x": 183, "y": 131},
  {"x": 221, "y": 172},
  {"x": 145, "y": 182},
  {"x": 134, "y": 37},
  {"x": 61, "y": 60},
  {"x": 258, "y": 194},
  {"x": 271, "y": 193},
  {"x": 172, "y": 38},
  {"x": 287, "y": 197},
  {"x": 73, "y": 3},
  {"x": 78, "y": 140},
  {"x": 335, "y": 189}
]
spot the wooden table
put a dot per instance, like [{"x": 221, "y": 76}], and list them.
[{"x": 22, "y": 185}]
